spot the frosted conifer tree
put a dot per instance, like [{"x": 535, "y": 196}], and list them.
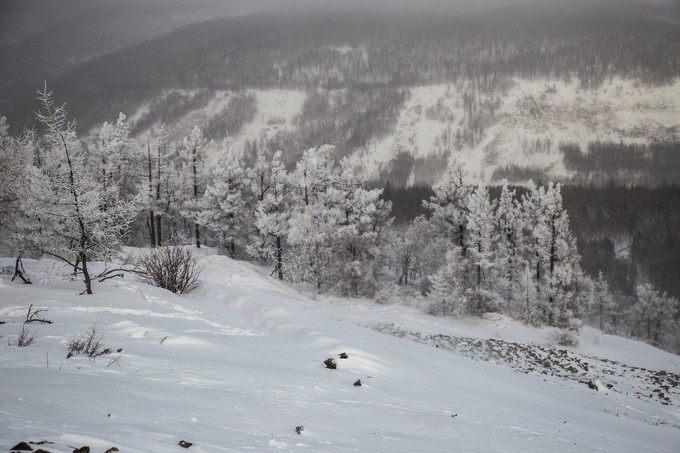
[
  {"x": 115, "y": 157},
  {"x": 272, "y": 212},
  {"x": 409, "y": 249},
  {"x": 74, "y": 208},
  {"x": 510, "y": 262},
  {"x": 224, "y": 208},
  {"x": 603, "y": 308},
  {"x": 161, "y": 185},
  {"x": 194, "y": 154},
  {"x": 16, "y": 225},
  {"x": 552, "y": 252},
  {"x": 480, "y": 240},
  {"x": 313, "y": 219},
  {"x": 448, "y": 205},
  {"x": 653, "y": 315},
  {"x": 335, "y": 224},
  {"x": 481, "y": 236}
]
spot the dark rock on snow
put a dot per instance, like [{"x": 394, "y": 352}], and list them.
[
  {"x": 357, "y": 383},
  {"x": 185, "y": 444},
  {"x": 343, "y": 355},
  {"x": 111, "y": 450},
  {"x": 299, "y": 429},
  {"x": 21, "y": 446},
  {"x": 330, "y": 364},
  {"x": 84, "y": 449}
]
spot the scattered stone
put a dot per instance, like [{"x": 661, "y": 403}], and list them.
[
  {"x": 591, "y": 385},
  {"x": 185, "y": 444},
  {"x": 83, "y": 449},
  {"x": 119, "y": 350},
  {"x": 343, "y": 355},
  {"x": 21, "y": 446},
  {"x": 111, "y": 450},
  {"x": 106, "y": 351},
  {"x": 357, "y": 383},
  {"x": 69, "y": 355},
  {"x": 299, "y": 429},
  {"x": 330, "y": 364}
]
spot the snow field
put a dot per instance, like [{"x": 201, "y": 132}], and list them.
[{"x": 237, "y": 364}]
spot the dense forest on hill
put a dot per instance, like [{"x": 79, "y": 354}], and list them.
[
  {"x": 355, "y": 52},
  {"x": 628, "y": 233}
]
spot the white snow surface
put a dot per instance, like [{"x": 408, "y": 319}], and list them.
[
  {"x": 553, "y": 111},
  {"x": 237, "y": 365}
]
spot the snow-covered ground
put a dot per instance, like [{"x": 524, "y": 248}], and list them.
[
  {"x": 532, "y": 119},
  {"x": 238, "y": 364},
  {"x": 552, "y": 111}
]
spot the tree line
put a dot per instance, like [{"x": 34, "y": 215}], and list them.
[{"x": 319, "y": 223}]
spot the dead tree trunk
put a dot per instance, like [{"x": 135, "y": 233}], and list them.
[
  {"x": 279, "y": 258},
  {"x": 19, "y": 270},
  {"x": 86, "y": 273}
]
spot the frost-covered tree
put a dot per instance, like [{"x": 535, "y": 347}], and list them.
[
  {"x": 440, "y": 295},
  {"x": 446, "y": 296},
  {"x": 313, "y": 219},
  {"x": 552, "y": 253},
  {"x": 481, "y": 236},
  {"x": 115, "y": 157},
  {"x": 363, "y": 215},
  {"x": 510, "y": 262},
  {"x": 195, "y": 156},
  {"x": 653, "y": 315},
  {"x": 335, "y": 225},
  {"x": 16, "y": 226},
  {"x": 161, "y": 182},
  {"x": 448, "y": 206},
  {"x": 603, "y": 308},
  {"x": 74, "y": 208},
  {"x": 480, "y": 241},
  {"x": 224, "y": 207},
  {"x": 409, "y": 250},
  {"x": 272, "y": 191}
]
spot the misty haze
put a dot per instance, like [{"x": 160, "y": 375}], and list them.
[{"x": 329, "y": 226}]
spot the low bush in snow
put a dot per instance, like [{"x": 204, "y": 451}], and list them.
[
  {"x": 564, "y": 338},
  {"x": 89, "y": 343},
  {"x": 173, "y": 268},
  {"x": 25, "y": 338}
]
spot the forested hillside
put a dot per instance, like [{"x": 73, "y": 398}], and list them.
[{"x": 630, "y": 234}]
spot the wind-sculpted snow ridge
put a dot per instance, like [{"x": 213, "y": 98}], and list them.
[{"x": 597, "y": 373}]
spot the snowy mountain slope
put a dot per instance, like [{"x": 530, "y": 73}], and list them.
[
  {"x": 521, "y": 125},
  {"x": 276, "y": 110},
  {"x": 238, "y": 364},
  {"x": 525, "y": 124}
]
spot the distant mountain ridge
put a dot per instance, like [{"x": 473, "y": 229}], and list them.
[{"x": 358, "y": 80}]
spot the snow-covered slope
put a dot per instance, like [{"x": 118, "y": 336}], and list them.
[
  {"x": 522, "y": 123},
  {"x": 237, "y": 365},
  {"x": 275, "y": 110},
  {"x": 530, "y": 119}
]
